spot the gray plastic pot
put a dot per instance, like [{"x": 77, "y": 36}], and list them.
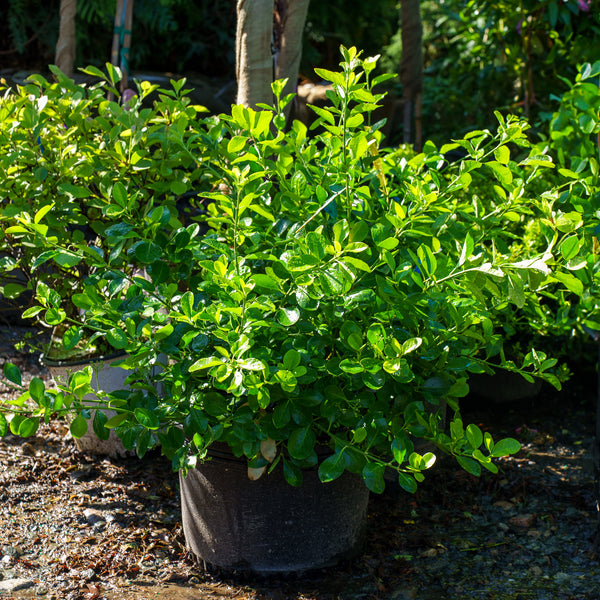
[
  {"x": 267, "y": 526},
  {"x": 106, "y": 378}
]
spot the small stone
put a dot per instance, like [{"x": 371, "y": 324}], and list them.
[
  {"x": 93, "y": 516},
  {"x": 504, "y": 504},
  {"x": 522, "y": 521},
  {"x": 10, "y": 551},
  {"x": 572, "y": 513},
  {"x": 14, "y": 585},
  {"x": 27, "y": 449}
]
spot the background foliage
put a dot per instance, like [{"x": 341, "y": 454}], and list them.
[{"x": 479, "y": 56}]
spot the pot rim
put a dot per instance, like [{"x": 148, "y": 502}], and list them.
[{"x": 48, "y": 362}]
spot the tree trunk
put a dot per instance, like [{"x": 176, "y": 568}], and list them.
[
  {"x": 254, "y": 62},
  {"x": 256, "y": 67},
  {"x": 65, "y": 46},
  {"x": 411, "y": 69},
  {"x": 292, "y": 19}
]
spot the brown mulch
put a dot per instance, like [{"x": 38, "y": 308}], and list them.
[{"x": 79, "y": 527}]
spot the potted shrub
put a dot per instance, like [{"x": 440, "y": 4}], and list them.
[
  {"x": 562, "y": 316},
  {"x": 342, "y": 297},
  {"x": 72, "y": 164}
]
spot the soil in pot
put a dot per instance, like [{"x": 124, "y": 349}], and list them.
[{"x": 269, "y": 527}]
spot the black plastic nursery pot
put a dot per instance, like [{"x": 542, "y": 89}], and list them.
[{"x": 269, "y": 527}]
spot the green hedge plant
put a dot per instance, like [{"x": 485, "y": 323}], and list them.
[
  {"x": 72, "y": 164},
  {"x": 341, "y": 298}
]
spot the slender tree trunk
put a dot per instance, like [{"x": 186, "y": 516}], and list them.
[
  {"x": 411, "y": 69},
  {"x": 254, "y": 62},
  {"x": 65, "y": 47},
  {"x": 256, "y": 66},
  {"x": 126, "y": 46},
  {"x": 292, "y": 18}
]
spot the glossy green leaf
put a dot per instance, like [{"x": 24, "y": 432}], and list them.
[
  {"x": 66, "y": 259},
  {"x": 205, "y": 363},
  {"x": 99, "y": 422},
  {"x": 117, "y": 338},
  {"x": 332, "y": 467},
  {"x": 12, "y": 373},
  {"x": 351, "y": 366},
  {"x": 502, "y": 154},
  {"x": 572, "y": 283},
  {"x": 236, "y": 144},
  {"x": 474, "y": 435},
  {"x": 78, "y": 426},
  {"x": 291, "y": 359},
  {"x": 388, "y": 243},
  {"x": 187, "y": 304},
  {"x": 146, "y": 418},
  {"x": 288, "y": 316},
  {"x": 29, "y": 426},
  {"x": 373, "y": 476},
  {"x": 292, "y": 474},
  {"x": 214, "y": 404},
  {"x": 469, "y": 465},
  {"x": 115, "y": 421},
  {"x": 147, "y": 252},
  {"x": 37, "y": 389},
  {"x": 302, "y": 262},
  {"x": 505, "y": 447},
  {"x": 301, "y": 443},
  {"x": 407, "y": 482},
  {"x": 71, "y": 337}
]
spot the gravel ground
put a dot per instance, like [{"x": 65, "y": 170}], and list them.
[{"x": 77, "y": 527}]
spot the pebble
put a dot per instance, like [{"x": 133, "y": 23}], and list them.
[
  {"x": 10, "y": 551},
  {"x": 7, "y": 574},
  {"x": 14, "y": 585},
  {"x": 93, "y": 516},
  {"x": 28, "y": 450},
  {"x": 562, "y": 578},
  {"x": 522, "y": 521}
]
